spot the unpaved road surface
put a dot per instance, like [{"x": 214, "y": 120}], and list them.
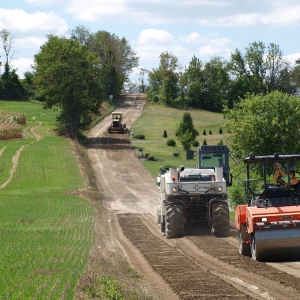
[{"x": 197, "y": 266}]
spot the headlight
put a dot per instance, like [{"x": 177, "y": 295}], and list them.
[
  {"x": 264, "y": 219},
  {"x": 220, "y": 189},
  {"x": 174, "y": 189}
]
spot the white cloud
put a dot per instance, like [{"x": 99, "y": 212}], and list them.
[
  {"x": 22, "y": 65},
  {"x": 29, "y": 42},
  {"x": 154, "y": 36},
  {"x": 292, "y": 57},
  {"x": 209, "y": 13},
  {"x": 18, "y": 22}
]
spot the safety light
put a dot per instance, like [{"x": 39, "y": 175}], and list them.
[
  {"x": 220, "y": 189},
  {"x": 174, "y": 190},
  {"x": 173, "y": 178}
]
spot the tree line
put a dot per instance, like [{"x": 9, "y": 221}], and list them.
[{"x": 218, "y": 83}]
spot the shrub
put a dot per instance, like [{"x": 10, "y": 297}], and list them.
[
  {"x": 204, "y": 132},
  {"x": 171, "y": 143},
  {"x": 147, "y": 154},
  {"x": 220, "y": 143},
  {"x": 176, "y": 154},
  {"x": 204, "y": 142},
  {"x": 237, "y": 195},
  {"x": 220, "y": 130},
  {"x": 151, "y": 157},
  {"x": 139, "y": 136},
  {"x": 195, "y": 143},
  {"x": 210, "y": 132},
  {"x": 165, "y": 134}
]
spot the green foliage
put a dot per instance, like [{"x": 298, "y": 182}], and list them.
[
  {"x": 221, "y": 143},
  {"x": 139, "y": 136},
  {"x": 147, "y": 154},
  {"x": 68, "y": 76},
  {"x": 195, "y": 143},
  {"x": 108, "y": 288},
  {"x": 165, "y": 134},
  {"x": 204, "y": 142},
  {"x": 210, "y": 132},
  {"x": 171, "y": 143},
  {"x": 116, "y": 56},
  {"x": 237, "y": 195},
  {"x": 204, "y": 132},
  {"x": 220, "y": 130},
  {"x": 151, "y": 157},
  {"x": 265, "y": 125},
  {"x": 186, "y": 132},
  {"x": 176, "y": 154}
]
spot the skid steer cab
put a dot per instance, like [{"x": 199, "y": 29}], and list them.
[
  {"x": 117, "y": 125},
  {"x": 269, "y": 225}
]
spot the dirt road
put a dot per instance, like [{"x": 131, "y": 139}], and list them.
[{"x": 198, "y": 266}]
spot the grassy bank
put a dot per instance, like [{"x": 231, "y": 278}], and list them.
[{"x": 156, "y": 118}]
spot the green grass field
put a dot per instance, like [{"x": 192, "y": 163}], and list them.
[
  {"x": 155, "y": 119},
  {"x": 46, "y": 233}
]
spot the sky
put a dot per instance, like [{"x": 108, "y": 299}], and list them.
[{"x": 203, "y": 28}]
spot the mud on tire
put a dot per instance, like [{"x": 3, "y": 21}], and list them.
[
  {"x": 174, "y": 222},
  {"x": 220, "y": 219}
]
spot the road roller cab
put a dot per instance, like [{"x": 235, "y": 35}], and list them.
[{"x": 269, "y": 225}]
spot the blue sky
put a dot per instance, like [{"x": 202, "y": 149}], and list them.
[{"x": 188, "y": 27}]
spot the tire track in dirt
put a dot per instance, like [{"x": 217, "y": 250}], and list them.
[
  {"x": 188, "y": 280},
  {"x": 33, "y": 130},
  {"x": 204, "y": 252}
]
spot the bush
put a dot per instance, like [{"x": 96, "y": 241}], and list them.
[
  {"x": 204, "y": 132},
  {"x": 147, "y": 154},
  {"x": 171, "y": 143},
  {"x": 176, "y": 154},
  {"x": 210, "y": 132},
  {"x": 195, "y": 143},
  {"x": 165, "y": 134},
  {"x": 139, "y": 136},
  {"x": 151, "y": 157},
  {"x": 204, "y": 142},
  {"x": 237, "y": 196},
  {"x": 220, "y": 130},
  {"x": 220, "y": 143}
]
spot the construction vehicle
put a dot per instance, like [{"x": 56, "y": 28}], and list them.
[
  {"x": 117, "y": 126},
  {"x": 196, "y": 194},
  {"x": 269, "y": 225}
]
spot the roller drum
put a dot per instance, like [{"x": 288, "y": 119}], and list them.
[{"x": 277, "y": 245}]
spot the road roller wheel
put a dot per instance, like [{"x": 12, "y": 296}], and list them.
[
  {"x": 254, "y": 252},
  {"x": 244, "y": 248}
]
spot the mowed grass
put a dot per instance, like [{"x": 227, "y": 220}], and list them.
[
  {"x": 46, "y": 232},
  {"x": 156, "y": 118}
]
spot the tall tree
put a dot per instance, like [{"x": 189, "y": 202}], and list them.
[
  {"x": 68, "y": 76},
  {"x": 262, "y": 69},
  {"x": 264, "y": 124},
  {"x": 216, "y": 83},
  {"x": 116, "y": 55},
  {"x": 195, "y": 83}
]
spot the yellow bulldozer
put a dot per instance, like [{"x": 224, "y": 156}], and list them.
[{"x": 117, "y": 125}]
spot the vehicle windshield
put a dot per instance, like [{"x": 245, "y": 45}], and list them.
[
  {"x": 212, "y": 160},
  {"x": 116, "y": 116}
]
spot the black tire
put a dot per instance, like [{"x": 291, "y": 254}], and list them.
[
  {"x": 174, "y": 221},
  {"x": 220, "y": 219},
  {"x": 244, "y": 248}
]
